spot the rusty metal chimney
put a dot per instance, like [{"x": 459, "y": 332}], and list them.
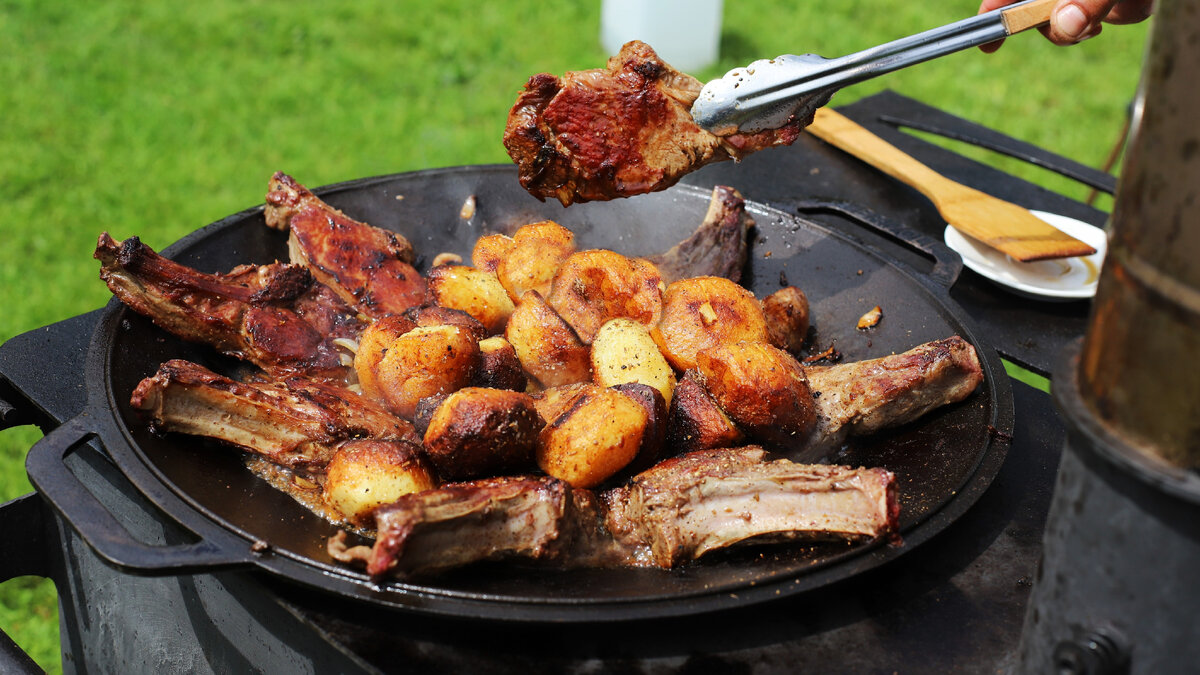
[{"x": 1120, "y": 573}]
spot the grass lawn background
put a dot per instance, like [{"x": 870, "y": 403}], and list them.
[{"x": 156, "y": 118}]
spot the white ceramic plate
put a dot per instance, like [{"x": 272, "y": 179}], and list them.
[{"x": 1061, "y": 279}]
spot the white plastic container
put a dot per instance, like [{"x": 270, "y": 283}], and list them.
[{"x": 685, "y": 33}]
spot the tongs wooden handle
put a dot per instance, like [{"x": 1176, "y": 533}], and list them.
[
  {"x": 768, "y": 93},
  {"x": 1002, "y": 225}
]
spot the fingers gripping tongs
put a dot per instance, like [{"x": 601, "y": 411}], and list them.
[{"x": 767, "y": 94}]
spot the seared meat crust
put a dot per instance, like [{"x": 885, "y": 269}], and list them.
[
  {"x": 618, "y": 131},
  {"x": 274, "y": 316},
  {"x": 296, "y": 422},
  {"x": 863, "y": 397},
  {"x": 370, "y": 268}
]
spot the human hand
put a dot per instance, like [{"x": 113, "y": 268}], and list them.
[{"x": 1077, "y": 20}]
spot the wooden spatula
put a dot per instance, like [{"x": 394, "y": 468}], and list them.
[{"x": 1002, "y": 225}]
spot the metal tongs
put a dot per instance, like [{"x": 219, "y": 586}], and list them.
[{"x": 767, "y": 94}]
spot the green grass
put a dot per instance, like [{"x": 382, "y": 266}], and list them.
[{"x": 155, "y": 118}]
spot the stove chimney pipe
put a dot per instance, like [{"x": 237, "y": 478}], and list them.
[{"x": 1118, "y": 582}]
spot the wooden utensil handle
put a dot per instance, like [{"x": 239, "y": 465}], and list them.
[
  {"x": 842, "y": 132},
  {"x": 1028, "y": 15}
]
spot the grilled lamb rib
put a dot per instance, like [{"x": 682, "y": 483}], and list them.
[
  {"x": 675, "y": 512},
  {"x": 718, "y": 247},
  {"x": 618, "y": 131},
  {"x": 370, "y": 268},
  {"x": 297, "y": 422},
  {"x": 862, "y": 397},
  {"x": 274, "y": 316}
]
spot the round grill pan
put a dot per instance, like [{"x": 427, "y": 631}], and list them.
[{"x": 943, "y": 462}]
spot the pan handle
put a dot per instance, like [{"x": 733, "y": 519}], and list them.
[
  {"x": 947, "y": 264},
  {"x": 112, "y": 542}
]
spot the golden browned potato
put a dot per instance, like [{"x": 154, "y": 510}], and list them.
[
  {"x": 704, "y": 312},
  {"x": 490, "y": 250},
  {"x": 594, "y": 286},
  {"x": 473, "y": 291},
  {"x": 623, "y": 351},
  {"x": 554, "y": 401},
  {"x": 654, "y": 439},
  {"x": 479, "y": 432},
  {"x": 696, "y": 422},
  {"x": 499, "y": 367},
  {"x": 762, "y": 388},
  {"x": 434, "y": 315},
  {"x": 372, "y": 346},
  {"x": 786, "y": 312},
  {"x": 365, "y": 474},
  {"x": 537, "y": 252},
  {"x": 548, "y": 348},
  {"x": 425, "y": 361},
  {"x": 597, "y": 436}
]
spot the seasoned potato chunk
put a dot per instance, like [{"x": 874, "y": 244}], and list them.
[
  {"x": 704, "y": 312},
  {"x": 365, "y": 474},
  {"x": 594, "y": 286},
  {"x": 595, "y": 438},
  {"x": 554, "y": 401},
  {"x": 537, "y": 252},
  {"x": 762, "y": 388},
  {"x": 696, "y": 422},
  {"x": 490, "y": 250},
  {"x": 372, "y": 346},
  {"x": 654, "y": 439},
  {"x": 548, "y": 348},
  {"x": 623, "y": 351},
  {"x": 434, "y": 315},
  {"x": 425, "y": 361},
  {"x": 499, "y": 367},
  {"x": 786, "y": 312},
  {"x": 473, "y": 291},
  {"x": 483, "y": 432}
]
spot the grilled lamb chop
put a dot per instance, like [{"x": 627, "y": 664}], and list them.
[
  {"x": 370, "y": 268},
  {"x": 462, "y": 523},
  {"x": 703, "y": 501},
  {"x": 672, "y": 513},
  {"x": 717, "y": 248},
  {"x": 863, "y": 397},
  {"x": 274, "y": 316},
  {"x": 618, "y": 131},
  {"x": 297, "y": 422}
]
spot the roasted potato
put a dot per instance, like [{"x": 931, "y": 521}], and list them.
[
  {"x": 548, "y": 348},
  {"x": 490, "y": 250},
  {"x": 696, "y": 422},
  {"x": 372, "y": 346},
  {"x": 762, "y": 388},
  {"x": 554, "y": 401},
  {"x": 786, "y": 312},
  {"x": 425, "y": 361},
  {"x": 365, "y": 474},
  {"x": 654, "y": 439},
  {"x": 480, "y": 432},
  {"x": 592, "y": 287},
  {"x": 623, "y": 351},
  {"x": 473, "y": 291},
  {"x": 537, "y": 252},
  {"x": 434, "y": 315},
  {"x": 499, "y": 367},
  {"x": 704, "y": 312},
  {"x": 597, "y": 436}
]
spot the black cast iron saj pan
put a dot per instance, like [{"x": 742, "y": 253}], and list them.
[{"x": 942, "y": 463}]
